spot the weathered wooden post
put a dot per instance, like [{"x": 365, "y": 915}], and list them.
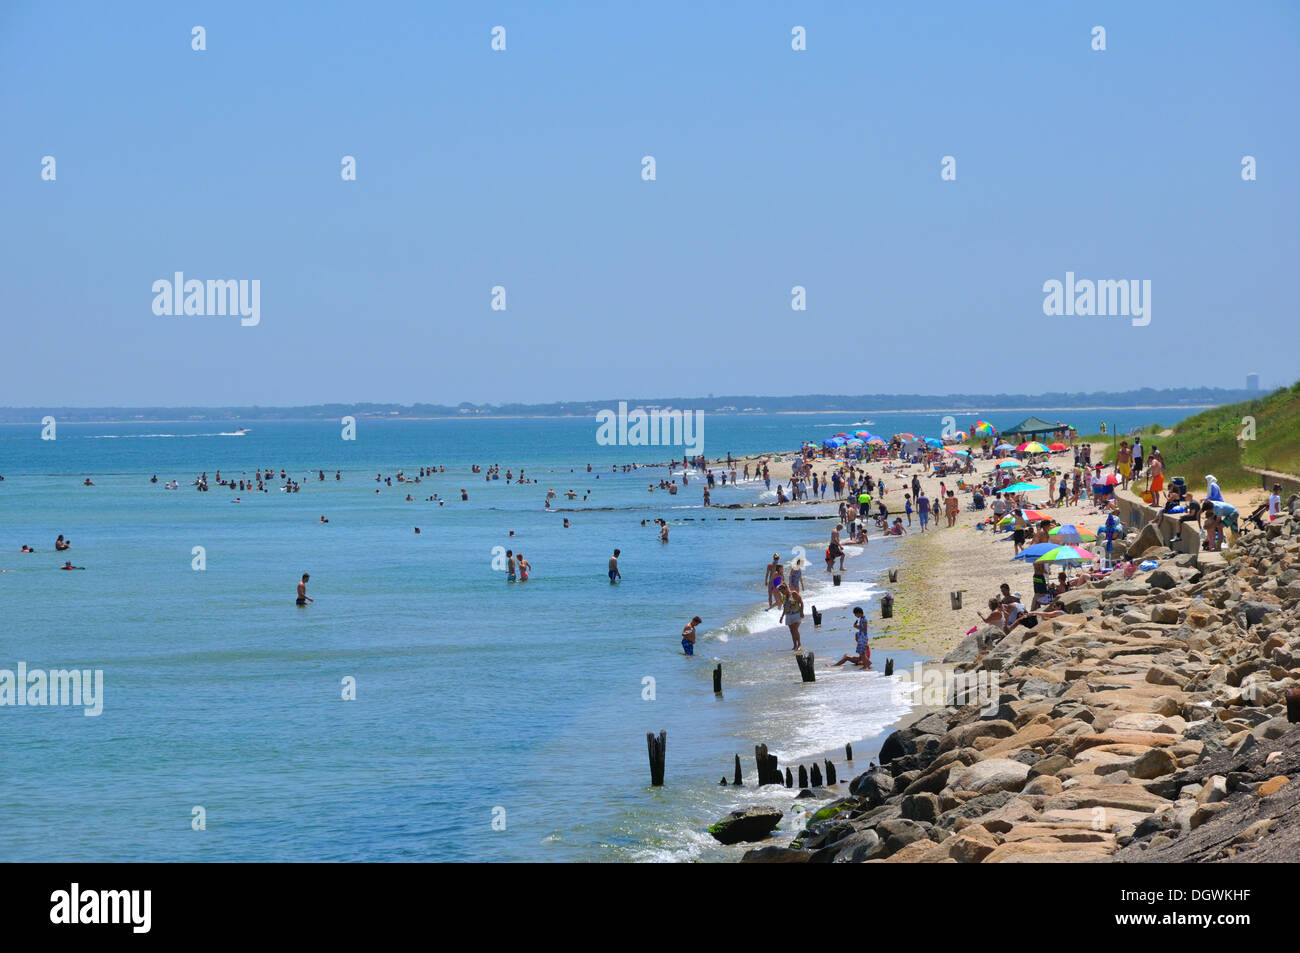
[
  {"x": 768, "y": 772},
  {"x": 658, "y": 748},
  {"x": 893, "y": 575},
  {"x": 805, "y": 663},
  {"x": 889, "y": 667},
  {"x": 738, "y": 781},
  {"x": 848, "y": 752},
  {"x": 803, "y": 776},
  {"x": 886, "y": 606},
  {"x": 789, "y": 781},
  {"x": 817, "y": 617},
  {"x": 835, "y": 578},
  {"x": 830, "y": 772},
  {"x": 816, "y": 775},
  {"x": 717, "y": 679}
]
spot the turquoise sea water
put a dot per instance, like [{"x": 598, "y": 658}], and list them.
[{"x": 475, "y": 699}]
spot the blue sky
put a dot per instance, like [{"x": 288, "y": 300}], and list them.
[{"x": 522, "y": 168}]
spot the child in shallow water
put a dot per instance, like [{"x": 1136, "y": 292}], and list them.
[{"x": 861, "y": 626}]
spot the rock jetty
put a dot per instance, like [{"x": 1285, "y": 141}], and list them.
[{"x": 1149, "y": 722}]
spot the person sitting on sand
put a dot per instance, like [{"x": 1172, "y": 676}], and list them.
[
  {"x": 862, "y": 627},
  {"x": 688, "y": 635},
  {"x": 896, "y": 528}
]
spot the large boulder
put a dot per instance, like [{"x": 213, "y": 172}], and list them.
[
  {"x": 776, "y": 855},
  {"x": 995, "y": 774},
  {"x": 873, "y": 787},
  {"x": 1149, "y": 538},
  {"x": 750, "y": 824}
]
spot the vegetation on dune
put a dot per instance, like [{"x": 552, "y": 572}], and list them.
[{"x": 1208, "y": 442}]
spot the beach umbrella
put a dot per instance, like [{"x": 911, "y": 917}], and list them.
[
  {"x": 963, "y": 452},
  {"x": 1032, "y": 516},
  {"x": 1032, "y": 447},
  {"x": 854, "y": 443},
  {"x": 879, "y": 440},
  {"x": 1057, "y": 447},
  {"x": 862, "y": 433},
  {"x": 1005, "y": 446},
  {"x": 1036, "y": 550},
  {"x": 1008, "y": 464},
  {"x": 906, "y": 436},
  {"x": 1070, "y": 534},
  {"x": 1112, "y": 479},
  {"x": 1021, "y": 487},
  {"x": 1065, "y": 554},
  {"x": 933, "y": 442},
  {"x": 984, "y": 427}
]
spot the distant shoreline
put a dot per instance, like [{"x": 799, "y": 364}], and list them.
[{"x": 718, "y": 413}]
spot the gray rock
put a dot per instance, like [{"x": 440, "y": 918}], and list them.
[
  {"x": 776, "y": 855},
  {"x": 873, "y": 787},
  {"x": 750, "y": 824},
  {"x": 921, "y": 807},
  {"x": 858, "y": 847}
]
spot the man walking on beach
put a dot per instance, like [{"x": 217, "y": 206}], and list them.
[{"x": 923, "y": 510}]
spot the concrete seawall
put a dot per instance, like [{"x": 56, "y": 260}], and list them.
[{"x": 1135, "y": 514}]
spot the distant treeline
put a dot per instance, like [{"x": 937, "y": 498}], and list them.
[{"x": 866, "y": 403}]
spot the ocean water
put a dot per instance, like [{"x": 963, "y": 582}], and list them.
[{"x": 491, "y": 721}]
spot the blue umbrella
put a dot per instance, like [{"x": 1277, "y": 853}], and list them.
[{"x": 934, "y": 442}]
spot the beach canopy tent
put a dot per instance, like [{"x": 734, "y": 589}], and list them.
[{"x": 1032, "y": 427}]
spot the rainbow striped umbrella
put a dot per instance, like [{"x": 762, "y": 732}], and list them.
[
  {"x": 1032, "y": 447},
  {"x": 984, "y": 427},
  {"x": 1065, "y": 554},
  {"x": 1070, "y": 534}
]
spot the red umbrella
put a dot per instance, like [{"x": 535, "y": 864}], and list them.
[
  {"x": 1112, "y": 479},
  {"x": 1057, "y": 447}
]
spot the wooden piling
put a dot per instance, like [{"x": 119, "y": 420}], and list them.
[
  {"x": 805, "y": 663},
  {"x": 830, "y": 772},
  {"x": 815, "y": 775},
  {"x": 658, "y": 748},
  {"x": 768, "y": 772},
  {"x": 738, "y": 781},
  {"x": 848, "y": 753},
  {"x": 817, "y": 617},
  {"x": 717, "y": 679},
  {"x": 893, "y": 575},
  {"x": 789, "y": 780},
  {"x": 889, "y": 667}
]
